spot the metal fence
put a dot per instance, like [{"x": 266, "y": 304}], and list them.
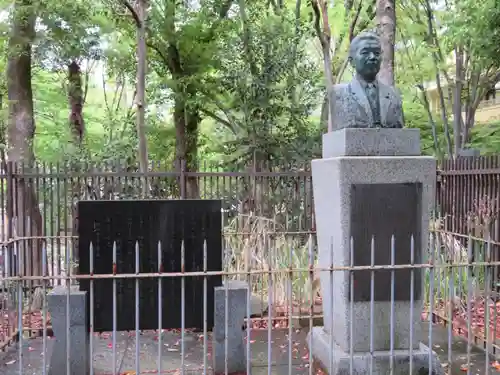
[
  {"x": 269, "y": 218},
  {"x": 453, "y": 291},
  {"x": 40, "y": 202},
  {"x": 468, "y": 193},
  {"x": 39, "y": 218}
]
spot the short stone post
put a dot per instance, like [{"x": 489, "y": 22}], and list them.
[
  {"x": 78, "y": 356},
  {"x": 237, "y": 294},
  {"x": 372, "y": 182}
]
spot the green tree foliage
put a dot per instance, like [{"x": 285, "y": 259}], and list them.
[
  {"x": 476, "y": 24},
  {"x": 265, "y": 92},
  {"x": 453, "y": 46},
  {"x": 486, "y": 138}
]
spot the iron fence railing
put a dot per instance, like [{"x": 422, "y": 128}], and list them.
[
  {"x": 44, "y": 196},
  {"x": 268, "y": 218},
  {"x": 39, "y": 203},
  {"x": 467, "y": 196},
  {"x": 455, "y": 291}
]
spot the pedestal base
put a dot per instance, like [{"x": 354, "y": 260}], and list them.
[
  {"x": 77, "y": 332},
  {"x": 237, "y": 294},
  {"x": 362, "y": 363}
]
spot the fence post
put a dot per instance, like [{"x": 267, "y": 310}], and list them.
[
  {"x": 10, "y": 217},
  {"x": 182, "y": 179}
]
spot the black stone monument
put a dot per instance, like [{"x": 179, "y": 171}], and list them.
[
  {"x": 383, "y": 211},
  {"x": 147, "y": 222}
]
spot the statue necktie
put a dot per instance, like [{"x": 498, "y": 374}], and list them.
[{"x": 372, "y": 94}]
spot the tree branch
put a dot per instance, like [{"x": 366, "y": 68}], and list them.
[
  {"x": 341, "y": 70},
  {"x": 427, "y": 107},
  {"x": 354, "y": 21},
  {"x": 132, "y": 11},
  {"x": 218, "y": 118},
  {"x": 371, "y": 11},
  {"x": 138, "y": 24},
  {"x": 272, "y": 3},
  {"x": 86, "y": 86},
  {"x": 158, "y": 51},
  {"x": 317, "y": 17},
  {"x": 120, "y": 96},
  {"x": 246, "y": 39},
  {"x": 104, "y": 90},
  {"x": 423, "y": 97}
]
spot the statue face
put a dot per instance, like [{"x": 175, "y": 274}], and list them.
[{"x": 367, "y": 58}]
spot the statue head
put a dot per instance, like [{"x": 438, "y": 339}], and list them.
[{"x": 365, "y": 55}]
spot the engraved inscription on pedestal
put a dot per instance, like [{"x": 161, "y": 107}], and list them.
[{"x": 381, "y": 211}]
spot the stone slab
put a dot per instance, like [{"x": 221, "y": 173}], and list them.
[
  {"x": 379, "y": 363},
  {"x": 469, "y": 152},
  {"x": 77, "y": 332},
  {"x": 332, "y": 183},
  {"x": 387, "y": 217},
  {"x": 195, "y": 223},
  {"x": 236, "y": 294},
  {"x": 57, "y": 303},
  {"x": 371, "y": 142}
]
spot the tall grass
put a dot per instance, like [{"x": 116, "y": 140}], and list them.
[
  {"x": 459, "y": 283},
  {"x": 259, "y": 244}
]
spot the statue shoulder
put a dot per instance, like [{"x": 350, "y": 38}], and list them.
[
  {"x": 393, "y": 92},
  {"x": 341, "y": 87},
  {"x": 341, "y": 90}
]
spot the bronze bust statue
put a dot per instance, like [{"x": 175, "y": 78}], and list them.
[{"x": 365, "y": 102}]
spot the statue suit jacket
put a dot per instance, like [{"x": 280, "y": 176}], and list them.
[{"x": 352, "y": 109}]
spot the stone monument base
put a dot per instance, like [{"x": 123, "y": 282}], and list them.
[
  {"x": 77, "y": 332},
  {"x": 362, "y": 362},
  {"x": 237, "y": 294}
]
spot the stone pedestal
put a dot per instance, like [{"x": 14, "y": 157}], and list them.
[
  {"x": 371, "y": 185},
  {"x": 78, "y": 356},
  {"x": 237, "y": 294}
]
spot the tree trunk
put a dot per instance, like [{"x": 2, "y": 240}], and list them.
[
  {"x": 469, "y": 122},
  {"x": 186, "y": 122},
  {"x": 327, "y": 63},
  {"x": 427, "y": 107},
  {"x": 386, "y": 21},
  {"x": 75, "y": 96},
  {"x": 141, "y": 93},
  {"x": 23, "y": 213},
  {"x": 186, "y": 118},
  {"x": 457, "y": 100},
  {"x": 77, "y": 127},
  {"x": 434, "y": 44}
]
